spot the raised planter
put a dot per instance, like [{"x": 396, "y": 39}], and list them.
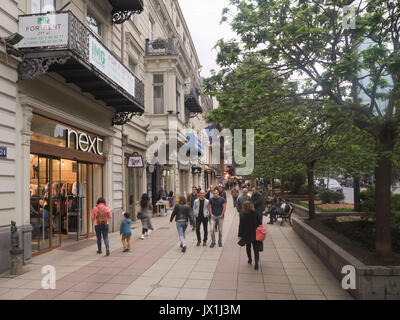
[
  {"x": 372, "y": 282},
  {"x": 303, "y": 212}
]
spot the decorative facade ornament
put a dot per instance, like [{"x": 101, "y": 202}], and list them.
[
  {"x": 121, "y": 118},
  {"x": 119, "y": 17},
  {"x": 31, "y": 68}
]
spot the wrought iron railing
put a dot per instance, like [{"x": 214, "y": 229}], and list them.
[
  {"x": 161, "y": 47},
  {"x": 38, "y": 60}
]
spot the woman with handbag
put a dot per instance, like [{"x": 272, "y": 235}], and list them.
[
  {"x": 145, "y": 215},
  {"x": 182, "y": 215},
  {"x": 250, "y": 220}
]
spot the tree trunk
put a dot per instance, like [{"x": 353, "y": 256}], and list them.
[
  {"x": 357, "y": 204},
  {"x": 383, "y": 244},
  {"x": 310, "y": 181}
]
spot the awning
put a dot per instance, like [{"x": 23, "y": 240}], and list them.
[{"x": 62, "y": 44}]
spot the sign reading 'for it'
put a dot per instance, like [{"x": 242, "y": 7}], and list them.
[{"x": 135, "y": 161}]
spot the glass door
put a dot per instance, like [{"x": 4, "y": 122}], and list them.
[
  {"x": 83, "y": 216},
  {"x": 43, "y": 234},
  {"x": 56, "y": 203}
]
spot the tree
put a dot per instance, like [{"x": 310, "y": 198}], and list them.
[
  {"x": 356, "y": 69},
  {"x": 290, "y": 133}
]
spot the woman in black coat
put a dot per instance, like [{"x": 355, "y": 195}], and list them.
[{"x": 249, "y": 221}]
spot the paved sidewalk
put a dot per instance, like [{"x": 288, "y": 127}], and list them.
[{"x": 157, "y": 269}]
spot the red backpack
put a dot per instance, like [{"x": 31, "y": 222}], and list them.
[
  {"x": 261, "y": 233},
  {"x": 102, "y": 216}
]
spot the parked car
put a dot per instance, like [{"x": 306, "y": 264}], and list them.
[{"x": 334, "y": 185}]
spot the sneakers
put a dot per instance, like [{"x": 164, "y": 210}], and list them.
[
  {"x": 198, "y": 243},
  {"x": 184, "y": 249},
  {"x": 142, "y": 237},
  {"x": 220, "y": 243},
  {"x": 212, "y": 245},
  {"x": 107, "y": 252}
]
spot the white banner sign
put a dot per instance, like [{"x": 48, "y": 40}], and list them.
[
  {"x": 135, "y": 161},
  {"x": 103, "y": 60},
  {"x": 44, "y": 30}
]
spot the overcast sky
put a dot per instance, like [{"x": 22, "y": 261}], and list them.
[{"x": 203, "y": 18}]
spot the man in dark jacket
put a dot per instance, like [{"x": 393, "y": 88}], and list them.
[
  {"x": 257, "y": 201},
  {"x": 190, "y": 201}
]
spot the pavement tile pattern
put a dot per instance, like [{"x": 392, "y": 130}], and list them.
[{"x": 156, "y": 269}]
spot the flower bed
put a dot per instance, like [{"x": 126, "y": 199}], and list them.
[{"x": 330, "y": 207}]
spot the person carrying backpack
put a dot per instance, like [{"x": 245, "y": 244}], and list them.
[{"x": 100, "y": 216}]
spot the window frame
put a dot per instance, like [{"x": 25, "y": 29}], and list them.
[
  {"x": 162, "y": 85},
  {"x": 101, "y": 24}
]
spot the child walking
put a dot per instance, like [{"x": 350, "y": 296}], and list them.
[{"x": 125, "y": 231}]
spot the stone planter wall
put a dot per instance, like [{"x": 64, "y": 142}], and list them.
[{"x": 372, "y": 282}]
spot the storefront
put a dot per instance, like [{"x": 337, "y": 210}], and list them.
[
  {"x": 66, "y": 179},
  {"x": 134, "y": 181}
]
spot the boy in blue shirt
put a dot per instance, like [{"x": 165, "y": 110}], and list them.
[{"x": 125, "y": 231}]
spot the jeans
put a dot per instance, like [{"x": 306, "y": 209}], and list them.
[
  {"x": 220, "y": 225},
  {"x": 256, "y": 253},
  {"x": 200, "y": 221},
  {"x": 181, "y": 225},
  {"x": 102, "y": 230}
]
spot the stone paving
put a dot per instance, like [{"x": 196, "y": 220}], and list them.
[{"x": 156, "y": 269}]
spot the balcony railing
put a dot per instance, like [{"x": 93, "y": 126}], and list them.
[
  {"x": 123, "y": 9},
  {"x": 62, "y": 44},
  {"x": 161, "y": 47}
]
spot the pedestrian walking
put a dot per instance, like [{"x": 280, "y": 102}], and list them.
[
  {"x": 209, "y": 193},
  {"x": 100, "y": 216},
  {"x": 182, "y": 214},
  {"x": 249, "y": 222},
  {"x": 222, "y": 192},
  {"x": 147, "y": 212},
  {"x": 201, "y": 216},
  {"x": 257, "y": 201},
  {"x": 244, "y": 197},
  {"x": 126, "y": 232},
  {"x": 190, "y": 201},
  {"x": 217, "y": 208},
  {"x": 235, "y": 195}
]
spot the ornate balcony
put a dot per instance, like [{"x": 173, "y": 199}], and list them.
[
  {"x": 192, "y": 101},
  {"x": 123, "y": 9},
  {"x": 160, "y": 47},
  {"x": 62, "y": 44}
]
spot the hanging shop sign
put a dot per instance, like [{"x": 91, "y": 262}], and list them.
[
  {"x": 84, "y": 142},
  {"x": 3, "y": 152},
  {"x": 103, "y": 60},
  {"x": 135, "y": 161},
  {"x": 196, "y": 170},
  {"x": 44, "y": 30}
]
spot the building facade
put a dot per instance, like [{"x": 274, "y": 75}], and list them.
[{"x": 94, "y": 79}]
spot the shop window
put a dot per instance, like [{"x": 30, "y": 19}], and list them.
[
  {"x": 94, "y": 24},
  {"x": 158, "y": 93}
]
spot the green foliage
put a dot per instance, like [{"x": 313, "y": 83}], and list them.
[{"x": 328, "y": 196}]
